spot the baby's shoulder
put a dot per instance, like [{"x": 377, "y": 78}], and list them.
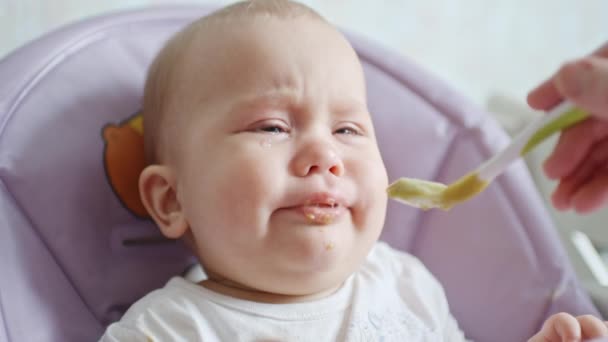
[
  {"x": 160, "y": 315},
  {"x": 175, "y": 299}
]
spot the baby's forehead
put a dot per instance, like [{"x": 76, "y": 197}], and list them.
[
  {"x": 217, "y": 60},
  {"x": 214, "y": 32},
  {"x": 212, "y": 46}
]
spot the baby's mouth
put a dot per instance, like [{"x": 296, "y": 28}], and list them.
[
  {"x": 319, "y": 208},
  {"x": 321, "y": 213}
]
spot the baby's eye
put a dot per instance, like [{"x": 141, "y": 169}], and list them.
[
  {"x": 271, "y": 126},
  {"x": 273, "y": 129},
  {"x": 348, "y": 131}
]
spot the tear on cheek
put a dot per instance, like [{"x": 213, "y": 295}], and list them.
[{"x": 266, "y": 143}]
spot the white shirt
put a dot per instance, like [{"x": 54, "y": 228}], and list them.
[{"x": 392, "y": 297}]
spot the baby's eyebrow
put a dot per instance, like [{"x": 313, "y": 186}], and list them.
[
  {"x": 349, "y": 107},
  {"x": 274, "y": 100}
]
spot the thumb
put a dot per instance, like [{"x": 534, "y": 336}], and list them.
[{"x": 585, "y": 82}]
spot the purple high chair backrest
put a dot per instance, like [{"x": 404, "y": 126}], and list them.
[{"x": 67, "y": 267}]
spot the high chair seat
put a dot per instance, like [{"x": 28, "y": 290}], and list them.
[{"x": 74, "y": 254}]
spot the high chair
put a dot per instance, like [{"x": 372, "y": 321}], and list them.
[{"x": 76, "y": 249}]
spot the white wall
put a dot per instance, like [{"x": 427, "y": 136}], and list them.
[
  {"x": 481, "y": 47},
  {"x": 493, "y": 51}
]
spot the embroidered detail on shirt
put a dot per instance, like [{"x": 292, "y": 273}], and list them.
[{"x": 388, "y": 326}]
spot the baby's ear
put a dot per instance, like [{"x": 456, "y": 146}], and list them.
[{"x": 157, "y": 190}]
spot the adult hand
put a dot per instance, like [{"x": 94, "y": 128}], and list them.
[
  {"x": 567, "y": 328},
  {"x": 580, "y": 160}
]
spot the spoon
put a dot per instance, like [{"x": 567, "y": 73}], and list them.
[{"x": 427, "y": 194}]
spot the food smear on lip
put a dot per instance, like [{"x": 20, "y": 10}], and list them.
[
  {"x": 321, "y": 212},
  {"x": 329, "y": 246},
  {"x": 320, "y": 218}
]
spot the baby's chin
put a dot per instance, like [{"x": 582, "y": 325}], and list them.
[
  {"x": 307, "y": 270},
  {"x": 315, "y": 267},
  {"x": 314, "y": 249}
]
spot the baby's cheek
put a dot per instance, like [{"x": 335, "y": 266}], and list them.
[
  {"x": 373, "y": 199},
  {"x": 246, "y": 190}
]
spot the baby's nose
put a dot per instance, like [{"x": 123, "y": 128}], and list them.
[{"x": 318, "y": 157}]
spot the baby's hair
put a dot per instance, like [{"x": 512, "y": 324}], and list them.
[
  {"x": 283, "y": 9},
  {"x": 163, "y": 70}
]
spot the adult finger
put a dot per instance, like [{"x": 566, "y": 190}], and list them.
[
  {"x": 567, "y": 187},
  {"x": 592, "y": 327},
  {"x": 593, "y": 195},
  {"x": 573, "y": 146},
  {"x": 585, "y": 83},
  {"x": 585, "y": 188},
  {"x": 559, "y": 327},
  {"x": 546, "y": 95}
]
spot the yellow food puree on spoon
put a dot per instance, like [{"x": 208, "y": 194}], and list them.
[{"x": 426, "y": 194}]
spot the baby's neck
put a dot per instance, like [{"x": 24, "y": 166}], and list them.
[{"x": 232, "y": 289}]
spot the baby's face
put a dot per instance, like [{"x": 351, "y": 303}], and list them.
[{"x": 279, "y": 174}]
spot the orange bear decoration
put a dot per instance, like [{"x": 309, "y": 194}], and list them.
[{"x": 124, "y": 160}]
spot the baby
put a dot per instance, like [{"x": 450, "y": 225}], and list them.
[{"x": 263, "y": 159}]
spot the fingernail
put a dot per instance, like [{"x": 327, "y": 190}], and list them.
[{"x": 576, "y": 77}]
